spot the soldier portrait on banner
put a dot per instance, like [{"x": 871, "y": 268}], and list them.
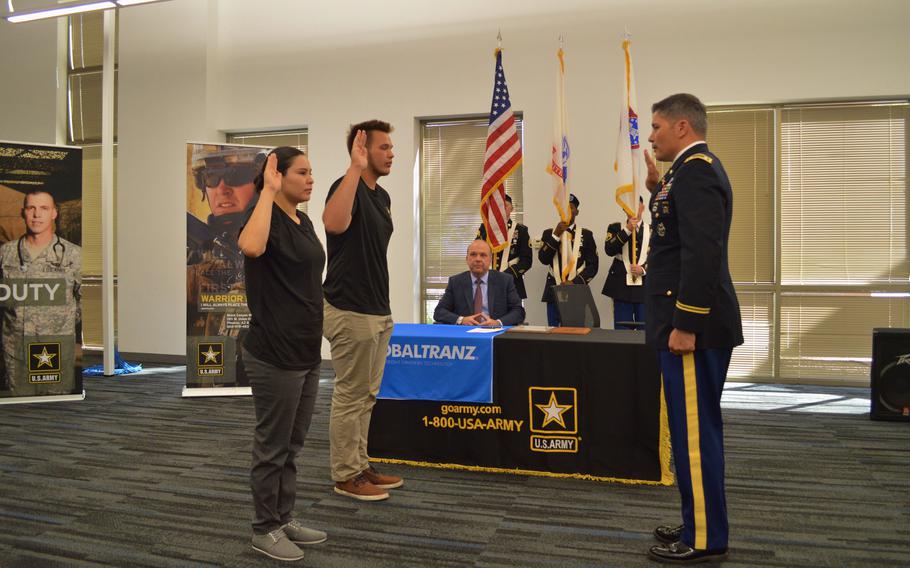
[
  {"x": 40, "y": 270},
  {"x": 219, "y": 191}
]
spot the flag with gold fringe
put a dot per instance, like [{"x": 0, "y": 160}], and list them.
[
  {"x": 502, "y": 157},
  {"x": 559, "y": 169}
]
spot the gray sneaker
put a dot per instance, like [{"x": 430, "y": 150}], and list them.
[
  {"x": 276, "y": 545},
  {"x": 299, "y": 534}
]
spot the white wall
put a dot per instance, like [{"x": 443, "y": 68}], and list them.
[
  {"x": 162, "y": 104},
  {"x": 192, "y": 68},
  {"x": 28, "y": 95}
]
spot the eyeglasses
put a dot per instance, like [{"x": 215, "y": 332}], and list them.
[{"x": 232, "y": 175}]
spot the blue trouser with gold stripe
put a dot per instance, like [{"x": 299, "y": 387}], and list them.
[{"x": 693, "y": 384}]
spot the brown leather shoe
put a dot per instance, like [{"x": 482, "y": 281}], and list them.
[
  {"x": 360, "y": 488},
  {"x": 382, "y": 481}
]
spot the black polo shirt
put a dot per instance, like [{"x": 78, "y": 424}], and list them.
[
  {"x": 284, "y": 294},
  {"x": 358, "y": 275}
]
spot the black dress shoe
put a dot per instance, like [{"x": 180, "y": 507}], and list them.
[
  {"x": 679, "y": 553},
  {"x": 668, "y": 534}
]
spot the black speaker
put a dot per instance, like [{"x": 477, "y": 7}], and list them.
[{"x": 890, "y": 374}]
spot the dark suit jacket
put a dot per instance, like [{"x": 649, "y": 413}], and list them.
[
  {"x": 689, "y": 285},
  {"x": 615, "y": 286},
  {"x": 502, "y": 299},
  {"x": 519, "y": 253}
]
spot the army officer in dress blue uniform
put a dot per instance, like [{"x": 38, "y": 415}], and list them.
[{"x": 693, "y": 320}]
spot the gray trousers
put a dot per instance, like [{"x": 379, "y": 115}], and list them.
[{"x": 284, "y": 402}]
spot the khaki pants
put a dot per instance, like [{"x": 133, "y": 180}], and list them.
[{"x": 359, "y": 343}]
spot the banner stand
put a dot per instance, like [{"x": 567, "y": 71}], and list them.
[
  {"x": 44, "y": 398},
  {"x": 217, "y": 316},
  {"x": 40, "y": 273},
  {"x": 220, "y": 391}
]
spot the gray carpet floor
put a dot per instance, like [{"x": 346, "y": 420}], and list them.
[{"x": 135, "y": 475}]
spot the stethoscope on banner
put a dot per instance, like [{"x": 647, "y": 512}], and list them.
[{"x": 57, "y": 243}]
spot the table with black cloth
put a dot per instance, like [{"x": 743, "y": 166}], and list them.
[{"x": 585, "y": 406}]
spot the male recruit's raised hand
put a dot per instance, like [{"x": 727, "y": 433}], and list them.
[
  {"x": 653, "y": 177},
  {"x": 359, "y": 151}
]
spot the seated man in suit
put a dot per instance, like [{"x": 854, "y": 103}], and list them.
[{"x": 480, "y": 296}]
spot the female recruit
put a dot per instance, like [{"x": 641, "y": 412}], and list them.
[{"x": 283, "y": 263}]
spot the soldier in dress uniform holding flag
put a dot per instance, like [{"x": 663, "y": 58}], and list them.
[
  {"x": 579, "y": 266},
  {"x": 626, "y": 279},
  {"x": 516, "y": 258},
  {"x": 629, "y": 243}
]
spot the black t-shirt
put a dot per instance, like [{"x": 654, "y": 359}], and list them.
[
  {"x": 358, "y": 275},
  {"x": 284, "y": 294}
]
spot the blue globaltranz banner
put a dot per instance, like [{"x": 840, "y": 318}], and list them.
[{"x": 439, "y": 362}]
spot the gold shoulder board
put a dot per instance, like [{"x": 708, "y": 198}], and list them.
[{"x": 704, "y": 157}]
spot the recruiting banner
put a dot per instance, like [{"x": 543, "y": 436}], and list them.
[
  {"x": 219, "y": 190},
  {"x": 40, "y": 272},
  {"x": 586, "y": 406},
  {"x": 439, "y": 362}
]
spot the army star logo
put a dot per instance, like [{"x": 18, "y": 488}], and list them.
[
  {"x": 553, "y": 411},
  {"x": 211, "y": 356},
  {"x": 45, "y": 358}
]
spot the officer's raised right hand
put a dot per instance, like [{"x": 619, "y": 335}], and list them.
[
  {"x": 653, "y": 177},
  {"x": 560, "y": 229}
]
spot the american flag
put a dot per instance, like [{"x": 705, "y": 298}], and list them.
[{"x": 502, "y": 156}]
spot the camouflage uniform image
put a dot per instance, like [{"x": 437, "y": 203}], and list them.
[
  {"x": 42, "y": 312},
  {"x": 224, "y": 176}
]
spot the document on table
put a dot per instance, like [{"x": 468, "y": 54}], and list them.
[
  {"x": 530, "y": 329},
  {"x": 484, "y": 330}
]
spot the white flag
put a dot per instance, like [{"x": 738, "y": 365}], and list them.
[{"x": 628, "y": 164}]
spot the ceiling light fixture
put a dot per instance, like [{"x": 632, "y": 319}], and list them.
[{"x": 69, "y": 9}]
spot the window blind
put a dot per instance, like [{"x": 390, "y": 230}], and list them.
[
  {"x": 85, "y": 42},
  {"x": 451, "y": 168},
  {"x": 844, "y": 195},
  {"x": 743, "y": 140},
  {"x": 298, "y": 138},
  {"x": 829, "y": 335}
]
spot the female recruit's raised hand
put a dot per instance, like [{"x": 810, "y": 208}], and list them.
[
  {"x": 359, "y": 151},
  {"x": 271, "y": 177}
]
